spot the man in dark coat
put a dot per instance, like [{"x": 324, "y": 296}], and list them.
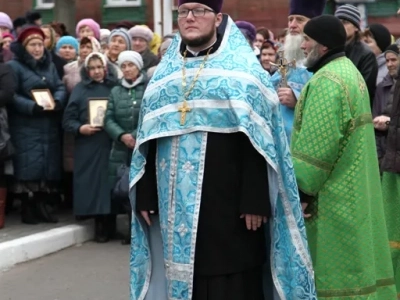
[
  {"x": 383, "y": 102},
  {"x": 359, "y": 53}
]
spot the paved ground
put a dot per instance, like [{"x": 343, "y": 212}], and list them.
[{"x": 87, "y": 272}]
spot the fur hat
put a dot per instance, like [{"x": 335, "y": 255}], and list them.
[
  {"x": 92, "y": 24},
  {"x": 140, "y": 31},
  {"x": 215, "y": 5}
]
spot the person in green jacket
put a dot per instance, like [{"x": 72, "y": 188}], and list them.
[{"x": 122, "y": 113}]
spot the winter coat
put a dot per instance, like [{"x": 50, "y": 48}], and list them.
[
  {"x": 149, "y": 59},
  {"x": 92, "y": 191},
  {"x": 122, "y": 117},
  {"x": 382, "y": 107},
  {"x": 365, "y": 61},
  {"x": 391, "y": 160},
  {"x": 71, "y": 78},
  {"x": 35, "y": 135},
  {"x": 382, "y": 68},
  {"x": 59, "y": 63}
]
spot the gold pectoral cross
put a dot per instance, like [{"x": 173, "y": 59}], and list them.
[{"x": 184, "y": 109}]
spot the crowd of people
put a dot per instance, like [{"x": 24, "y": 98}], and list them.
[{"x": 297, "y": 178}]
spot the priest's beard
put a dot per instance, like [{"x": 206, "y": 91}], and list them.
[
  {"x": 203, "y": 40},
  {"x": 292, "y": 48},
  {"x": 312, "y": 57}
]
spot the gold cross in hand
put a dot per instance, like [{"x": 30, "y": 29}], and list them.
[{"x": 183, "y": 110}]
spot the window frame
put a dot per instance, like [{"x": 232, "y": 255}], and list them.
[
  {"x": 125, "y": 3},
  {"x": 41, "y": 5}
]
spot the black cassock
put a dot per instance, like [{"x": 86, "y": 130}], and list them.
[{"x": 229, "y": 258}]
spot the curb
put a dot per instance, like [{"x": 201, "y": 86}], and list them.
[{"x": 41, "y": 244}]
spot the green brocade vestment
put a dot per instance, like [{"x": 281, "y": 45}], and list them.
[{"x": 335, "y": 161}]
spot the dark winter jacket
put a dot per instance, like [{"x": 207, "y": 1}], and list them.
[
  {"x": 149, "y": 59},
  {"x": 59, "y": 63},
  {"x": 383, "y": 104},
  {"x": 122, "y": 117},
  {"x": 35, "y": 134},
  {"x": 365, "y": 61},
  {"x": 391, "y": 160}
]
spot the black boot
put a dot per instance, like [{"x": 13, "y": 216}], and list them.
[
  {"x": 28, "y": 213},
  {"x": 101, "y": 232},
  {"x": 111, "y": 226},
  {"x": 44, "y": 208}
]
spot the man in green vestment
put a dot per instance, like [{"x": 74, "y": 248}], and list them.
[{"x": 337, "y": 172}]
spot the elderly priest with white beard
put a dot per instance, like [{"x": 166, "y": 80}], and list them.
[{"x": 289, "y": 88}]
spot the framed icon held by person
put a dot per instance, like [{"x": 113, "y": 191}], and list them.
[
  {"x": 97, "y": 110},
  {"x": 43, "y": 98}
]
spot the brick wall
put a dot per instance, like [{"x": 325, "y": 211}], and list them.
[{"x": 15, "y": 8}]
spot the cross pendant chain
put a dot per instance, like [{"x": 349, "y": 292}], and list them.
[{"x": 184, "y": 108}]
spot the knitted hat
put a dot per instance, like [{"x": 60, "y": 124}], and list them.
[
  {"x": 92, "y": 40},
  {"x": 96, "y": 54},
  {"x": 67, "y": 40},
  {"x": 393, "y": 49},
  {"x": 307, "y": 8},
  {"x": 131, "y": 56},
  {"x": 30, "y": 32},
  {"x": 349, "y": 13},
  {"x": 92, "y": 24},
  {"x": 5, "y": 21},
  {"x": 326, "y": 30},
  {"x": 124, "y": 34},
  {"x": 381, "y": 35},
  {"x": 32, "y": 16},
  {"x": 215, "y": 5},
  {"x": 248, "y": 30},
  {"x": 141, "y": 32},
  {"x": 8, "y": 35}
]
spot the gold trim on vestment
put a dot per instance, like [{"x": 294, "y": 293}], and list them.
[
  {"x": 356, "y": 291},
  {"x": 313, "y": 161},
  {"x": 395, "y": 245},
  {"x": 361, "y": 120}
]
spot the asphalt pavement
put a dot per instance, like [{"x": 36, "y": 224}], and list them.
[{"x": 87, "y": 272}]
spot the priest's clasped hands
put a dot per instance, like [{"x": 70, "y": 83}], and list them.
[{"x": 253, "y": 222}]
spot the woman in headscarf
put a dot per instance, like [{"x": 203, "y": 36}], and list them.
[
  {"x": 122, "y": 114},
  {"x": 50, "y": 44},
  {"x": 71, "y": 78},
  {"x": 35, "y": 132},
  {"x": 67, "y": 48},
  {"x": 118, "y": 41},
  {"x": 92, "y": 191},
  {"x": 8, "y": 38}
]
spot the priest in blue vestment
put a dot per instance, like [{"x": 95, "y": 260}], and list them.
[
  {"x": 290, "y": 88},
  {"x": 216, "y": 212}
]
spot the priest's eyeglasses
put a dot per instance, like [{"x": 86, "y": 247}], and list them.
[{"x": 197, "y": 12}]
